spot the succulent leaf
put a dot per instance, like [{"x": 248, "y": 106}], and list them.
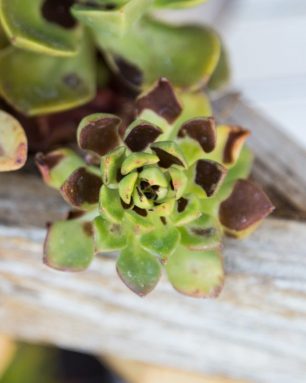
[
  {"x": 161, "y": 242},
  {"x": 47, "y": 84},
  {"x": 137, "y": 160},
  {"x": 82, "y": 188},
  {"x": 196, "y": 273},
  {"x": 142, "y": 49},
  {"x": 111, "y": 165},
  {"x": 13, "y": 143},
  {"x": 99, "y": 133},
  {"x": 56, "y": 166},
  {"x": 110, "y": 204},
  {"x": 69, "y": 245},
  {"x": 244, "y": 209},
  {"x": 138, "y": 269},
  {"x": 140, "y": 135},
  {"x": 109, "y": 236},
  {"x": 178, "y": 3},
  {"x": 221, "y": 75},
  {"x": 27, "y": 29},
  {"x": 127, "y": 186}
]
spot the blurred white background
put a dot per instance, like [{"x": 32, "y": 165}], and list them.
[{"x": 266, "y": 41}]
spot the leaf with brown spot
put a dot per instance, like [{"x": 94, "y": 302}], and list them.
[
  {"x": 140, "y": 135},
  {"x": 198, "y": 274},
  {"x": 162, "y": 100},
  {"x": 169, "y": 154},
  {"x": 81, "y": 189},
  {"x": 13, "y": 143},
  {"x": 56, "y": 166},
  {"x": 202, "y": 130},
  {"x": 209, "y": 176},
  {"x": 234, "y": 143},
  {"x": 244, "y": 209},
  {"x": 99, "y": 133}
]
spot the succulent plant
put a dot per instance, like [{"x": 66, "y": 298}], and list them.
[
  {"x": 13, "y": 143},
  {"x": 162, "y": 194},
  {"x": 48, "y": 50}
]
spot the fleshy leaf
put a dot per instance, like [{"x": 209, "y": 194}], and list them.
[
  {"x": 169, "y": 154},
  {"x": 57, "y": 166},
  {"x": 138, "y": 160},
  {"x": 138, "y": 269},
  {"x": 27, "y": 29},
  {"x": 162, "y": 100},
  {"x": 82, "y": 188},
  {"x": 47, "y": 84},
  {"x": 209, "y": 175},
  {"x": 99, "y": 133},
  {"x": 244, "y": 209},
  {"x": 202, "y": 234},
  {"x": 230, "y": 141},
  {"x": 110, "y": 166},
  {"x": 197, "y": 274},
  {"x": 150, "y": 48},
  {"x": 109, "y": 236},
  {"x": 69, "y": 245},
  {"x": 187, "y": 210},
  {"x": 127, "y": 186},
  {"x": 179, "y": 181},
  {"x": 202, "y": 130},
  {"x": 140, "y": 135},
  {"x": 165, "y": 209},
  {"x": 110, "y": 204},
  {"x": 13, "y": 143},
  {"x": 161, "y": 242},
  {"x": 221, "y": 75},
  {"x": 153, "y": 176}
]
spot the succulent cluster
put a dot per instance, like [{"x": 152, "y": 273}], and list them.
[
  {"x": 48, "y": 50},
  {"x": 162, "y": 193}
]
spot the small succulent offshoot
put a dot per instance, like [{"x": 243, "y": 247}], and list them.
[
  {"x": 13, "y": 143},
  {"x": 162, "y": 196}
]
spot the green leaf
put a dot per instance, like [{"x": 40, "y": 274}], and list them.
[
  {"x": 202, "y": 234},
  {"x": 109, "y": 236},
  {"x": 69, "y": 245},
  {"x": 57, "y": 166},
  {"x": 221, "y": 75},
  {"x": 13, "y": 143},
  {"x": 110, "y": 204},
  {"x": 169, "y": 154},
  {"x": 179, "y": 181},
  {"x": 37, "y": 84},
  {"x": 150, "y": 48},
  {"x": 26, "y": 27},
  {"x": 126, "y": 187},
  {"x": 138, "y": 269},
  {"x": 138, "y": 160},
  {"x": 178, "y": 3},
  {"x": 197, "y": 274},
  {"x": 187, "y": 210},
  {"x": 161, "y": 242},
  {"x": 153, "y": 176},
  {"x": 110, "y": 166}
]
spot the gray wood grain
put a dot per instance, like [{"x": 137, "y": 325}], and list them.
[{"x": 256, "y": 330}]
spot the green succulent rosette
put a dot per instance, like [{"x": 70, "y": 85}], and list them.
[
  {"x": 162, "y": 196},
  {"x": 48, "y": 50}
]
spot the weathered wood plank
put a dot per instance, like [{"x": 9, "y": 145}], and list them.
[
  {"x": 280, "y": 162},
  {"x": 255, "y": 331}
]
